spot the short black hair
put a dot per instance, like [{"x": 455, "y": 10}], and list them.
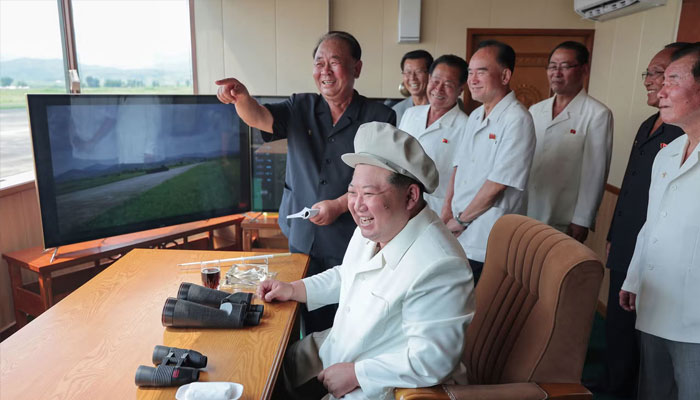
[
  {"x": 676, "y": 45},
  {"x": 505, "y": 55},
  {"x": 453, "y": 61},
  {"x": 403, "y": 181},
  {"x": 353, "y": 44},
  {"x": 418, "y": 55},
  {"x": 690, "y": 50},
  {"x": 582, "y": 55}
]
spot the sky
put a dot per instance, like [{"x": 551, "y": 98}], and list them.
[{"x": 118, "y": 33}]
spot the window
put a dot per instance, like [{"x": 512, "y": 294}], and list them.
[
  {"x": 133, "y": 46},
  {"x": 31, "y": 61},
  {"x": 122, "y": 47}
]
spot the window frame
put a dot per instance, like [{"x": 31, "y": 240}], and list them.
[{"x": 70, "y": 63}]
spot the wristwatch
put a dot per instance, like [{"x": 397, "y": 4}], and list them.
[{"x": 464, "y": 224}]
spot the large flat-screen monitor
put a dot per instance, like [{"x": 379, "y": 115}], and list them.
[
  {"x": 268, "y": 166},
  {"x": 113, "y": 164}
]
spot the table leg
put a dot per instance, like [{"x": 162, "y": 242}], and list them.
[
  {"x": 210, "y": 240},
  {"x": 46, "y": 289},
  {"x": 247, "y": 239},
  {"x": 16, "y": 282},
  {"x": 238, "y": 230}
]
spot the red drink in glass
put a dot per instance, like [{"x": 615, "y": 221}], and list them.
[{"x": 211, "y": 277}]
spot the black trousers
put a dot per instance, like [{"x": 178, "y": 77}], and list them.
[
  {"x": 476, "y": 267},
  {"x": 622, "y": 352}
]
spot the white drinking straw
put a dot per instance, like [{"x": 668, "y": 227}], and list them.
[{"x": 225, "y": 260}]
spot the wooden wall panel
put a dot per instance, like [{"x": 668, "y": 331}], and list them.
[
  {"x": 209, "y": 44},
  {"x": 20, "y": 228},
  {"x": 364, "y": 19},
  {"x": 597, "y": 240},
  {"x": 295, "y": 42},
  {"x": 622, "y": 50},
  {"x": 249, "y": 44}
]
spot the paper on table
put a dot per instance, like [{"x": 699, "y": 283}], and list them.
[{"x": 306, "y": 213}]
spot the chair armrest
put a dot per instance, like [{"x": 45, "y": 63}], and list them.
[
  {"x": 429, "y": 393},
  {"x": 566, "y": 391},
  {"x": 507, "y": 391}
]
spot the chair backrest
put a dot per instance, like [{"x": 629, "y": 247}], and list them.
[{"x": 534, "y": 306}]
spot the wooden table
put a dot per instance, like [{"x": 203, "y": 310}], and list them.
[
  {"x": 37, "y": 260},
  {"x": 251, "y": 227},
  {"x": 89, "y": 345}
]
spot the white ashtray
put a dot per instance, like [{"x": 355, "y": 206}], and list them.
[{"x": 209, "y": 391}]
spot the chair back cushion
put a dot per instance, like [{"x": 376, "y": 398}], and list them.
[{"x": 534, "y": 306}]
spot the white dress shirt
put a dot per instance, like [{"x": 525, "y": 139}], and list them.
[
  {"x": 498, "y": 148},
  {"x": 401, "y": 107},
  {"x": 665, "y": 268},
  {"x": 402, "y": 312},
  {"x": 439, "y": 140},
  {"x": 571, "y": 163}
]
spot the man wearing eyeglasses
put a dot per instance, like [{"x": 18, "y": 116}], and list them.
[
  {"x": 574, "y": 147},
  {"x": 414, "y": 69},
  {"x": 664, "y": 274},
  {"x": 622, "y": 355},
  {"x": 438, "y": 125}
]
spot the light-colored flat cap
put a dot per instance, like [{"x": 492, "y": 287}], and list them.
[{"x": 385, "y": 146}]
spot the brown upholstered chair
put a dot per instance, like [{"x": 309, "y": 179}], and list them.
[{"x": 534, "y": 310}]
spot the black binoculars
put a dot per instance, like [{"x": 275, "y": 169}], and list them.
[
  {"x": 174, "y": 367},
  {"x": 200, "y": 307}
]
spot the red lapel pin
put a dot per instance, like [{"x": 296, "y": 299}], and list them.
[
  {"x": 663, "y": 145},
  {"x": 573, "y": 131},
  {"x": 492, "y": 136},
  {"x": 444, "y": 140}
]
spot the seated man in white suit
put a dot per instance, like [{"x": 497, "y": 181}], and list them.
[
  {"x": 404, "y": 289},
  {"x": 574, "y": 146}
]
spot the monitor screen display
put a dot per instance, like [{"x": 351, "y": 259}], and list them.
[
  {"x": 268, "y": 166},
  {"x": 113, "y": 164}
]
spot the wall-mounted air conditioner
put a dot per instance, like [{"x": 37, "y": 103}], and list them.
[
  {"x": 601, "y": 10},
  {"x": 409, "y": 21}
]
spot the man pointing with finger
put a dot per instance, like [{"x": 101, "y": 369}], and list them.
[
  {"x": 319, "y": 128},
  {"x": 404, "y": 288}
]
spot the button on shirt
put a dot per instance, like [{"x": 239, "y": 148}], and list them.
[
  {"x": 439, "y": 140},
  {"x": 404, "y": 309},
  {"x": 665, "y": 268},
  {"x": 631, "y": 209},
  {"x": 498, "y": 148},
  {"x": 315, "y": 171},
  {"x": 571, "y": 162}
]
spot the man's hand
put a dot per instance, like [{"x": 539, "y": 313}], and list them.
[
  {"x": 272, "y": 289},
  {"x": 231, "y": 90},
  {"x": 329, "y": 211},
  {"x": 577, "y": 232},
  {"x": 446, "y": 215},
  {"x": 339, "y": 379},
  {"x": 455, "y": 227},
  {"x": 628, "y": 300}
]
